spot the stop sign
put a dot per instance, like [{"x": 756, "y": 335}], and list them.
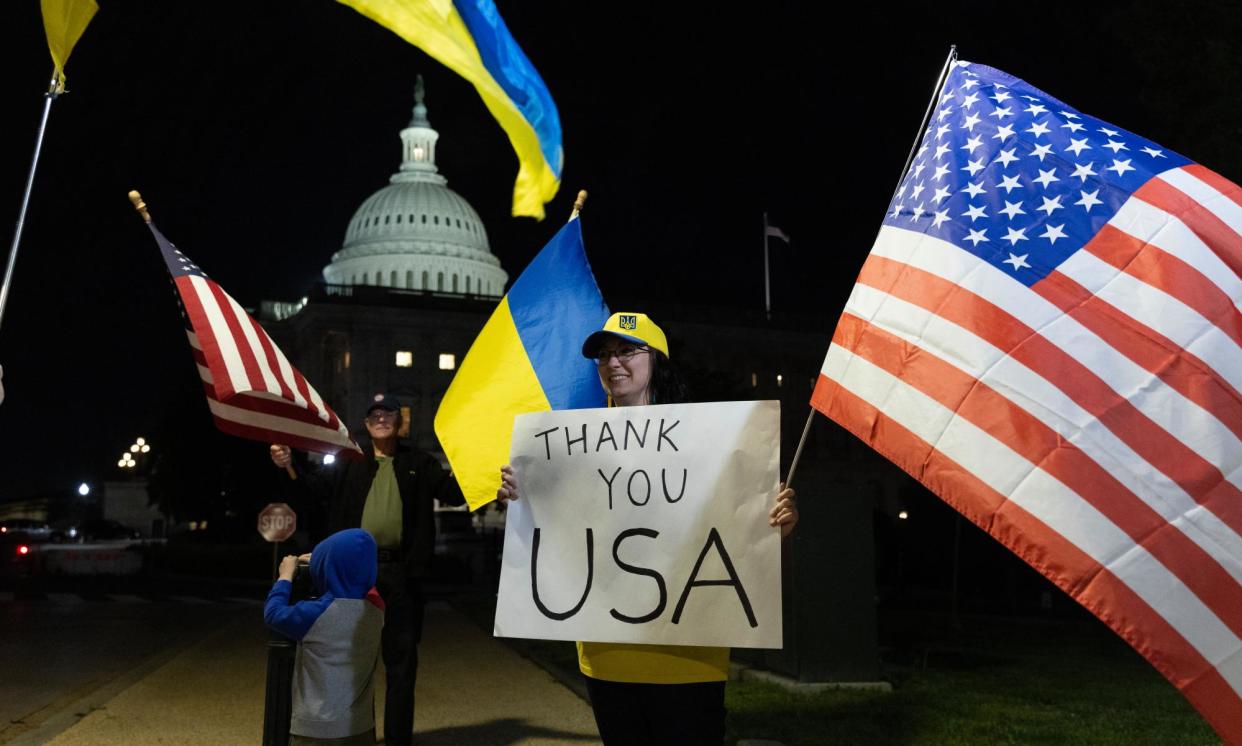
[{"x": 277, "y": 522}]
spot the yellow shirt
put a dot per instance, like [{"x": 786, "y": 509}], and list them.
[{"x": 653, "y": 664}]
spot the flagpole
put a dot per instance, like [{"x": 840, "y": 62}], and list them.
[
  {"x": 49, "y": 97},
  {"x": 931, "y": 105},
  {"x": 767, "y": 284}
]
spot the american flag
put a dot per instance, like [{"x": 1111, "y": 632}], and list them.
[
  {"x": 252, "y": 390},
  {"x": 1047, "y": 335}
]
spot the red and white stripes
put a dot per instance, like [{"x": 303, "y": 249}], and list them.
[
  {"x": 1092, "y": 422},
  {"x": 252, "y": 389}
]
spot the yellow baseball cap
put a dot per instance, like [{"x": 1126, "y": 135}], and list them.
[{"x": 632, "y": 327}]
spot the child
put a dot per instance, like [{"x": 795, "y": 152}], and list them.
[{"x": 338, "y": 636}]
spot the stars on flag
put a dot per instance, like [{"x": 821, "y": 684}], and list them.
[{"x": 1001, "y": 162}]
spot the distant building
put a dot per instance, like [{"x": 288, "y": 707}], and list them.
[{"x": 415, "y": 281}]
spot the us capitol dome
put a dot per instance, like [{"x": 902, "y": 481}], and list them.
[{"x": 416, "y": 233}]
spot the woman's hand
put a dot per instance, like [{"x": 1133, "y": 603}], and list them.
[
  {"x": 508, "y": 485},
  {"x": 784, "y": 512}
]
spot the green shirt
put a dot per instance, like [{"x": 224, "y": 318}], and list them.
[{"x": 381, "y": 515}]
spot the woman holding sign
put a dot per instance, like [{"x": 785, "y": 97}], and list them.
[{"x": 651, "y": 694}]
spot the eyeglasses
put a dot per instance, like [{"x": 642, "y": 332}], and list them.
[
  {"x": 622, "y": 354},
  {"x": 381, "y": 415}
]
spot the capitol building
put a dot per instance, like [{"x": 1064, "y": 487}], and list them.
[{"x": 404, "y": 297}]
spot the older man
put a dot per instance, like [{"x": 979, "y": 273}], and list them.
[{"x": 389, "y": 494}]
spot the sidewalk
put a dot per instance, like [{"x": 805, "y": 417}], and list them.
[{"x": 472, "y": 689}]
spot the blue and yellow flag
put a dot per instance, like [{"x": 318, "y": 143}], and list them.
[
  {"x": 63, "y": 22},
  {"x": 528, "y": 358},
  {"x": 471, "y": 39}
]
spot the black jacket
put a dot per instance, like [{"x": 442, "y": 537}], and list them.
[{"x": 420, "y": 479}]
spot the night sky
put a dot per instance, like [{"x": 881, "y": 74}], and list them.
[{"x": 254, "y": 130}]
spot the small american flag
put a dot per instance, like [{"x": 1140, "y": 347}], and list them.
[
  {"x": 252, "y": 390},
  {"x": 1048, "y": 335}
]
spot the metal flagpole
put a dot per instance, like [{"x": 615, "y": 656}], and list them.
[
  {"x": 767, "y": 284},
  {"x": 931, "y": 105},
  {"x": 49, "y": 97}
]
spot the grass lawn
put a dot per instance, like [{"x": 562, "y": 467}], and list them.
[{"x": 997, "y": 680}]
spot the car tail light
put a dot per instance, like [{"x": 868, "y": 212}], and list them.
[{"x": 22, "y": 549}]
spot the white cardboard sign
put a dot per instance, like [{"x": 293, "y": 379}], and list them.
[{"x": 645, "y": 525}]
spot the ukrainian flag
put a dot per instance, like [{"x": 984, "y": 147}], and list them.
[
  {"x": 63, "y": 22},
  {"x": 528, "y": 358},
  {"x": 471, "y": 39}
]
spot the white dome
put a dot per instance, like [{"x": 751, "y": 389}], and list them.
[{"x": 416, "y": 233}]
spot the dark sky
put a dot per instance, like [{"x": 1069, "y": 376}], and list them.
[{"x": 254, "y": 130}]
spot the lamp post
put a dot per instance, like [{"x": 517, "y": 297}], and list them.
[{"x": 127, "y": 463}]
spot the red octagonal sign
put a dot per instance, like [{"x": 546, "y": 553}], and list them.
[{"x": 277, "y": 522}]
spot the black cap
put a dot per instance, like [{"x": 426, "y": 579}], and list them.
[{"x": 383, "y": 401}]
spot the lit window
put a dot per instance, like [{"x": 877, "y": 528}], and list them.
[
  {"x": 346, "y": 359},
  {"x": 405, "y": 359},
  {"x": 448, "y": 361},
  {"x": 754, "y": 380},
  {"x": 404, "y": 430}
]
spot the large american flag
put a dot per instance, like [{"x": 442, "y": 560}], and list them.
[
  {"x": 252, "y": 390},
  {"x": 1047, "y": 335}
]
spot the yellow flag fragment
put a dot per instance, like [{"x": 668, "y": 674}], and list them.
[{"x": 64, "y": 21}]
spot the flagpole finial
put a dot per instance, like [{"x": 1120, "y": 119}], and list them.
[
  {"x": 578, "y": 203},
  {"x": 140, "y": 206}
]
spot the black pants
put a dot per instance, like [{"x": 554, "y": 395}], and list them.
[
  {"x": 403, "y": 628},
  {"x": 658, "y": 714}
]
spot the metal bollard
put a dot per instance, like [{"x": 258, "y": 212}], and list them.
[
  {"x": 278, "y": 697},
  {"x": 281, "y": 652}
]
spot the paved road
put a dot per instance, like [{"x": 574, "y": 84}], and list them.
[{"x": 60, "y": 645}]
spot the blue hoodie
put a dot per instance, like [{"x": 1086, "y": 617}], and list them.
[{"x": 338, "y": 637}]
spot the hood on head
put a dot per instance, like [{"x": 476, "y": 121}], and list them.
[{"x": 344, "y": 564}]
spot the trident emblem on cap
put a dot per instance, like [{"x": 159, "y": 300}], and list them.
[{"x": 628, "y": 322}]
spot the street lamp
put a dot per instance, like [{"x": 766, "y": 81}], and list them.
[
  {"x": 139, "y": 446},
  {"x": 84, "y": 489}
]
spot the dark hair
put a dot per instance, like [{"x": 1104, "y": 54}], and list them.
[{"x": 667, "y": 385}]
